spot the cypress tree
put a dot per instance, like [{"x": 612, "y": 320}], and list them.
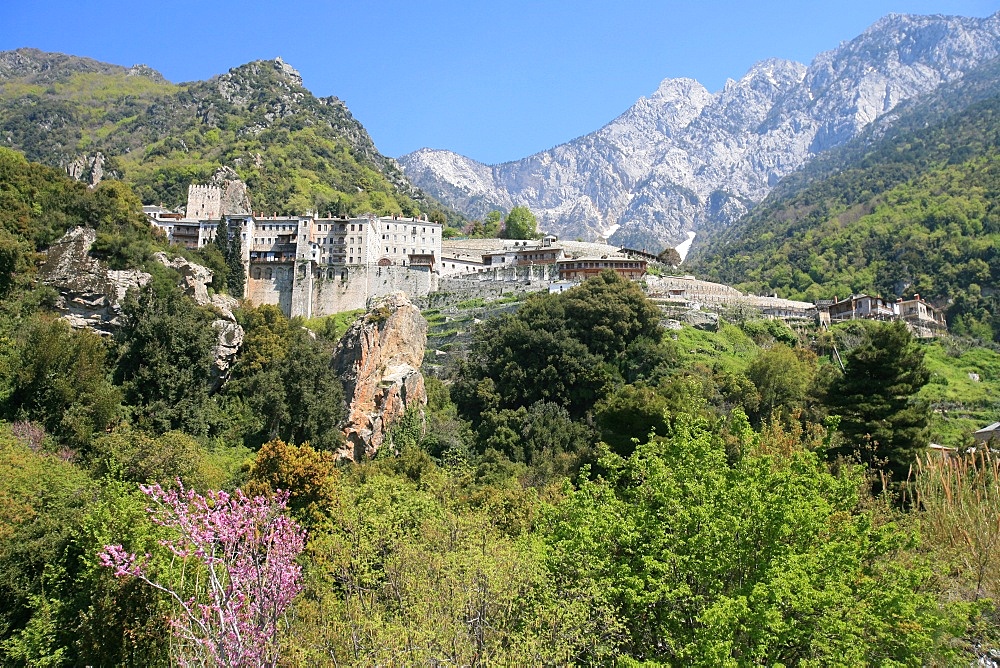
[
  {"x": 884, "y": 423},
  {"x": 236, "y": 280},
  {"x": 222, "y": 237}
]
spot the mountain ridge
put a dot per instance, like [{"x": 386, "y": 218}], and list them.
[
  {"x": 296, "y": 151},
  {"x": 651, "y": 174}
]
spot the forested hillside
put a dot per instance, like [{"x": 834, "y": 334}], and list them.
[
  {"x": 916, "y": 214},
  {"x": 295, "y": 151},
  {"x": 585, "y": 486}
]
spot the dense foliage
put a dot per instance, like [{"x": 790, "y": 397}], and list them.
[
  {"x": 917, "y": 214},
  {"x": 585, "y": 487},
  {"x": 520, "y": 223}
]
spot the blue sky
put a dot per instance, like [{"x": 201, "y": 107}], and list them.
[{"x": 495, "y": 81}]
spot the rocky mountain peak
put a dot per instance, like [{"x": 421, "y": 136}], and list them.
[
  {"x": 288, "y": 72},
  {"x": 40, "y": 67},
  {"x": 140, "y": 70},
  {"x": 774, "y": 72},
  {"x": 684, "y": 158}
]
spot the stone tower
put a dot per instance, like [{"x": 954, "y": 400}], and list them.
[{"x": 204, "y": 202}]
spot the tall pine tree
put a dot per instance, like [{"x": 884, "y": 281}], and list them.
[{"x": 884, "y": 423}]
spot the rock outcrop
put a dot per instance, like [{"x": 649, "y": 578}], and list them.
[
  {"x": 90, "y": 294},
  {"x": 235, "y": 198},
  {"x": 684, "y": 158},
  {"x": 378, "y": 360},
  {"x": 86, "y": 168}
]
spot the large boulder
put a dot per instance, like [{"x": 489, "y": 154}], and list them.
[
  {"x": 378, "y": 360},
  {"x": 235, "y": 198}
]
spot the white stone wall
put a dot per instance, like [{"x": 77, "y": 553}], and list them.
[
  {"x": 271, "y": 283},
  {"x": 324, "y": 290},
  {"x": 351, "y": 287}
]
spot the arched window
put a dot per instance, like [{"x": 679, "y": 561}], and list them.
[
  {"x": 343, "y": 274},
  {"x": 256, "y": 272},
  {"x": 267, "y": 273}
]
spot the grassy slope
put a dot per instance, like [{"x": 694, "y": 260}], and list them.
[{"x": 961, "y": 405}]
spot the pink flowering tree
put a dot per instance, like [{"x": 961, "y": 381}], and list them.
[{"x": 232, "y": 572}]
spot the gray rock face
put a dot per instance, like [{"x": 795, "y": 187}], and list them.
[
  {"x": 378, "y": 360},
  {"x": 685, "y": 158},
  {"x": 90, "y": 294},
  {"x": 86, "y": 168},
  {"x": 235, "y": 199}
]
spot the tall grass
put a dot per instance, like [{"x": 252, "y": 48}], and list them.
[{"x": 958, "y": 496}]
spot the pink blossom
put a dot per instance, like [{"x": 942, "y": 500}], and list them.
[{"x": 246, "y": 548}]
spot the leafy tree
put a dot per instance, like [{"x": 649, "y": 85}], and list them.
[
  {"x": 524, "y": 364},
  {"x": 629, "y": 415},
  {"x": 782, "y": 377},
  {"x": 135, "y": 456},
  {"x": 559, "y": 348},
  {"x": 314, "y": 396},
  {"x": 542, "y": 431},
  {"x": 166, "y": 357},
  {"x": 42, "y": 502},
  {"x": 670, "y": 257},
  {"x": 707, "y": 559},
  {"x": 607, "y": 313},
  {"x": 884, "y": 422},
  {"x": 60, "y": 379},
  {"x": 646, "y": 359},
  {"x": 520, "y": 223},
  {"x": 488, "y": 227},
  {"x": 15, "y": 260},
  {"x": 283, "y": 385},
  {"x": 307, "y": 474}
]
